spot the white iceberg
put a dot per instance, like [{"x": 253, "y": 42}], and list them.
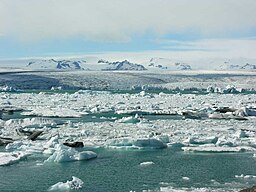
[
  {"x": 53, "y": 112},
  {"x": 217, "y": 149},
  {"x": 136, "y": 143},
  {"x": 131, "y": 119},
  {"x": 242, "y": 176},
  {"x": 186, "y": 178},
  {"x": 245, "y": 111},
  {"x": 74, "y": 184},
  {"x": 65, "y": 154},
  {"x": 13, "y": 157},
  {"x": 149, "y": 143},
  {"x": 31, "y": 122},
  {"x": 147, "y": 163},
  {"x": 207, "y": 140}
]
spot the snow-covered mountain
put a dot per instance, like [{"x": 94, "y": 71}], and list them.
[
  {"x": 82, "y": 64},
  {"x": 122, "y": 65},
  {"x": 229, "y": 66},
  {"x": 166, "y": 64},
  {"x": 57, "y": 64},
  {"x": 95, "y": 63}
]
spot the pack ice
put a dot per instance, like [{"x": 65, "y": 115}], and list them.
[{"x": 192, "y": 122}]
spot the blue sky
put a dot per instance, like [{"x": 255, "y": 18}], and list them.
[{"x": 61, "y": 27}]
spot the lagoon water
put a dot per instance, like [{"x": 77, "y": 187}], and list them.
[{"x": 120, "y": 170}]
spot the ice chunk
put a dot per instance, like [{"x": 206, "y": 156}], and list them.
[
  {"x": 137, "y": 143},
  {"x": 129, "y": 120},
  {"x": 14, "y": 146},
  {"x": 74, "y": 184},
  {"x": 225, "y": 116},
  {"x": 150, "y": 143},
  {"x": 147, "y": 163},
  {"x": 54, "y": 112},
  {"x": 52, "y": 142},
  {"x": 13, "y": 157},
  {"x": 119, "y": 142},
  {"x": 245, "y": 111},
  {"x": 65, "y": 154},
  {"x": 33, "y": 122},
  {"x": 213, "y": 148},
  {"x": 240, "y": 134},
  {"x": 200, "y": 141},
  {"x": 86, "y": 155},
  {"x": 242, "y": 176},
  {"x": 142, "y": 93},
  {"x": 231, "y": 89}
]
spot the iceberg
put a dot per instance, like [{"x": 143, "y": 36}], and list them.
[
  {"x": 74, "y": 184},
  {"x": 242, "y": 176},
  {"x": 217, "y": 149},
  {"x": 53, "y": 112},
  {"x": 147, "y": 163},
  {"x": 31, "y": 122},
  {"x": 245, "y": 111},
  {"x": 7, "y": 158},
  {"x": 150, "y": 143},
  {"x": 65, "y": 154},
  {"x": 136, "y": 143},
  {"x": 129, "y": 119}
]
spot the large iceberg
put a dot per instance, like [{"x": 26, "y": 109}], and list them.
[{"x": 65, "y": 154}]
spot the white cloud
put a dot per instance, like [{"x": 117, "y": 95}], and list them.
[
  {"x": 119, "y": 20},
  {"x": 219, "y": 47}
]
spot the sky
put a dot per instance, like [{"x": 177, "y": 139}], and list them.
[{"x": 188, "y": 28}]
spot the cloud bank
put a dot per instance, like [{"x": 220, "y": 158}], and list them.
[{"x": 120, "y": 20}]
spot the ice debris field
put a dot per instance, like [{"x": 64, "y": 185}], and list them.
[{"x": 59, "y": 126}]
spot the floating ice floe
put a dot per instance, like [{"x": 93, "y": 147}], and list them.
[
  {"x": 194, "y": 114},
  {"x": 207, "y": 140},
  {"x": 245, "y": 111},
  {"x": 150, "y": 143},
  {"x": 7, "y": 158},
  {"x": 25, "y": 146},
  {"x": 226, "y": 116},
  {"x": 74, "y": 184},
  {"x": 65, "y": 154},
  {"x": 217, "y": 149},
  {"x": 7, "y": 89},
  {"x": 228, "y": 89},
  {"x": 147, "y": 163},
  {"x": 131, "y": 119},
  {"x": 56, "y": 88},
  {"x": 242, "y": 176},
  {"x": 53, "y": 112},
  {"x": 192, "y": 189},
  {"x": 31, "y": 122},
  {"x": 139, "y": 143}
]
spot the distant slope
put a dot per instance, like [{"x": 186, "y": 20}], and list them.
[
  {"x": 166, "y": 64},
  {"x": 229, "y": 66},
  {"x": 56, "y": 64},
  {"x": 122, "y": 65},
  {"x": 99, "y": 65}
]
